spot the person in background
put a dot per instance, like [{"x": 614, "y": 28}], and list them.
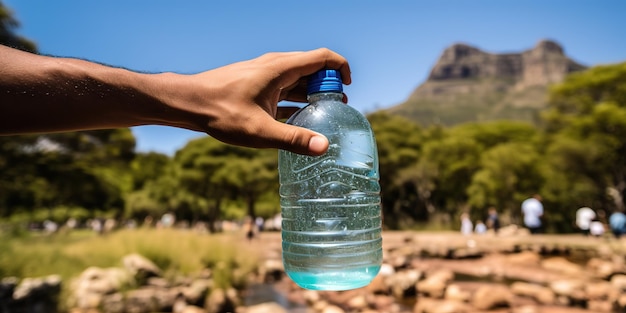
[
  {"x": 236, "y": 104},
  {"x": 467, "y": 227},
  {"x": 596, "y": 228},
  {"x": 493, "y": 221},
  {"x": 532, "y": 209},
  {"x": 584, "y": 216},
  {"x": 617, "y": 223},
  {"x": 480, "y": 228}
]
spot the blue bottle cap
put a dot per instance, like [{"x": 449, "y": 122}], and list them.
[{"x": 325, "y": 81}]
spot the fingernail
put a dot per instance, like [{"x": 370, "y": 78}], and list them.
[{"x": 318, "y": 144}]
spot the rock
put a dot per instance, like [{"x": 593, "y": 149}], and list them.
[
  {"x": 569, "y": 291},
  {"x": 269, "y": 307},
  {"x": 562, "y": 265},
  {"x": 455, "y": 293},
  {"x": 197, "y": 291},
  {"x": 48, "y": 287},
  {"x": 383, "y": 303},
  {"x": 527, "y": 309},
  {"x": 89, "y": 289},
  {"x": 524, "y": 258},
  {"x": 403, "y": 284},
  {"x": 195, "y": 309},
  {"x": 272, "y": 270},
  {"x": 332, "y": 309},
  {"x": 221, "y": 301},
  {"x": 386, "y": 270},
  {"x": 7, "y": 287},
  {"x": 435, "y": 283},
  {"x": 357, "y": 303},
  {"x": 604, "y": 269},
  {"x": 619, "y": 282},
  {"x": 599, "y": 290},
  {"x": 599, "y": 306},
  {"x": 311, "y": 296},
  {"x": 141, "y": 267},
  {"x": 426, "y": 305},
  {"x": 489, "y": 297},
  {"x": 37, "y": 295},
  {"x": 541, "y": 294},
  {"x": 113, "y": 303},
  {"x": 141, "y": 301}
]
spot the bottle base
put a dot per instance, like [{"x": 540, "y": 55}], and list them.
[{"x": 335, "y": 280}]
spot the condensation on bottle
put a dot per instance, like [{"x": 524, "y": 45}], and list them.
[{"x": 331, "y": 226}]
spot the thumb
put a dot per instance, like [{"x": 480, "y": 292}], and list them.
[{"x": 296, "y": 139}]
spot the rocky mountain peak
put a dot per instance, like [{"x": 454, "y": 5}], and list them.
[
  {"x": 469, "y": 84},
  {"x": 462, "y": 61}
]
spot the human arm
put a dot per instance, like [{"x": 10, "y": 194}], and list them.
[{"x": 236, "y": 104}]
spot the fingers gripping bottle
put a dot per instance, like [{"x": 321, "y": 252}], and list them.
[{"x": 331, "y": 227}]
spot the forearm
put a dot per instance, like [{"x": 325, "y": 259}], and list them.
[{"x": 46, "y": 94}]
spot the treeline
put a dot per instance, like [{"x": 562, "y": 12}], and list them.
[{"x": 429, "y": 176}]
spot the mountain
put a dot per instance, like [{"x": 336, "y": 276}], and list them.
[{"x": 468, "y": 84}]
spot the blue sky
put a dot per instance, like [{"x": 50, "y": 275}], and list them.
[{"x": 391, "y": 45}]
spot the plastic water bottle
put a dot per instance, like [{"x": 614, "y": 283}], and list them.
[{"x": 331, "y": 227}]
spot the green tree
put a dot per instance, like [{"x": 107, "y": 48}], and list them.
[
  {"x": 587, "y": 148},
  {"x": 8, "y": 24},
  {"x": 399, "y": 143}
]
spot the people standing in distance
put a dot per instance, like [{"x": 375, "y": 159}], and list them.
[
  {"x": 584, "y": 216},
  {"x": 532, "y": 209}
]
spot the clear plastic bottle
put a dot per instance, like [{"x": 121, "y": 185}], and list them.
[{"x": 331, "y": 225}]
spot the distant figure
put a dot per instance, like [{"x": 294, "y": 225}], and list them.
[
  {"x": 168, "y": 220},
  {"x": 617, "y": 222},
  {"x": 480, "y": 228},
  {"x": 493, "y": 221},
  {"x": 533, "y": 211},
  {"x": 466, "y": 224},
  {"x": 596, "y": 228},
  {"x": 259, "y": 221},
  {"x": 584, "y": 216},
  {"x": 249, "y": 229}
]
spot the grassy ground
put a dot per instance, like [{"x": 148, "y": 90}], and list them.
[{"x": 176, "y": 252}]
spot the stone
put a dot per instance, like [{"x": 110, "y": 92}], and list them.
[
  {"x": 141, "y": 267},
  {"x": 221, "y": 301},
  {"x": 562, "y": 265},
  {"x": 403, "y": 284},
  {"x": 272, "y": 270},
  {"x": 426, "y": 305},
  {"x": 195, "y": 309},
  {"x": 197, "y": 291},
  {"x": 268, "y": 307},
  {"x": 48, "y": 287},
  {"x": 489, "y": 297},
  {"x": 332, "y": 309},
  {"x": 599, "y": 306},
  {"x": 435, "y": 283},
  {"x": 599, "y": 290},
  {"x": 604, "y": 269},
  {"x": 113, "y": 303},
  {"x": 357, "y": 303},
  {"x": 455, "y": 293},
  {"x": 541, "y": 294},
  {"x": 524, "y": 258},
  {"x": 141, "y": 301},
  {"x": 7, "y": 287},
  {"x": 90, "y": 287},
  {"x": 619, "y": 282}
]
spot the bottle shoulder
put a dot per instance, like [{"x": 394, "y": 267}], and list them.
[{"x": 327, "y": 112}]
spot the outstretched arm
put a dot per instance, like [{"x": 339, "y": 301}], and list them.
[{"x": 236, "y": 104}]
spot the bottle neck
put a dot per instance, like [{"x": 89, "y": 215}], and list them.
[{"x": 325, "y": 96}]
